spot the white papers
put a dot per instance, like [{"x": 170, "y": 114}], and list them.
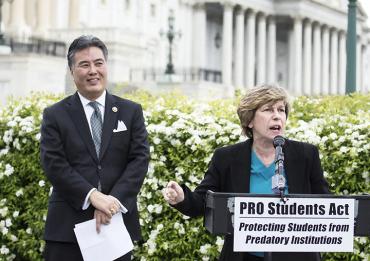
[{"x": 112, "y": 242}]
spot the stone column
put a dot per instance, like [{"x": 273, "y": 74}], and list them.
[
  {"x": 187, "y": 41},
  {"x": 334, "y": 62},
  {"x": 364, "y": 75},
  {"x": 5, "y": 16},
  {"x": 325, "y": 61},
  {"x": 250, "y": 49},
  {"x": 199, "y": 32},
  {"x": 17, "y": 17},
  {"x": 358, "y": 65},
  {"x": 227, "y": 43},
  {"x": 271, "y": 50},
  {"x": 43, "y": 11},
  {"x": 239, "y": 48},
  {"x": 365, "y": 68},
  {"x": 307, "y": 58},
  {"x": 74, "y": 14},
  {"x": 30, "y": 14},
  {"x": 297, "y": 64},
  {"x": 316, "y": 61},
  {"x": 342, "y": 63},
  {"x": 261, "y": 49}
]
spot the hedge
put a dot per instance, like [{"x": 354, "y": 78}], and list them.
[{"x": 183, "y": 135}]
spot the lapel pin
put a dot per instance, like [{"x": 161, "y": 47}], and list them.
[{"x": 114, "y": 109}]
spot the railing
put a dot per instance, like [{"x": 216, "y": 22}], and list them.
[
  {"x": 184, "y": 75},
  {"x": 39, "y": 46}
]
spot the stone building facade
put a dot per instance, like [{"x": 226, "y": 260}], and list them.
[{"x": 219, "y": 45}]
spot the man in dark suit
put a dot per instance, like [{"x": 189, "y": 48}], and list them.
[{"x": 95, "y": 153}]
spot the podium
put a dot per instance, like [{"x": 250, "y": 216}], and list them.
[{"x": 220, "y": 209}]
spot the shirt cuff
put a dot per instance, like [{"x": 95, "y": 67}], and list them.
[
  {"x": 121, "y": 207},
  {"x": 87, "y": 199}
]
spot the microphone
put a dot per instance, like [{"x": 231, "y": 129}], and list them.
[{"x": 278, "y": 180}]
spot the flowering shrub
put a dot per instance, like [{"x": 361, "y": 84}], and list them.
[{"x": 183, "y": 135}]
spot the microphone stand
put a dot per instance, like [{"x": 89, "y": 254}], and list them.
[
  {"x": 278, "y": 179},
  {"x": 279, "y": 166}
]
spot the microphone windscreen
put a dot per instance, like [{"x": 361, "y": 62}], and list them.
[{"x": 279, "y": 141}]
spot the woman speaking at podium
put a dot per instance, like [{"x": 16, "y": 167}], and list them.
[{"x": 249, "y": 166}]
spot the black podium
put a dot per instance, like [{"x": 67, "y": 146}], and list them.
[{"x": 220, "y": 209}]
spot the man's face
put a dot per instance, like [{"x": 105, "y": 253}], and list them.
[{"x": 89, "y": 72}]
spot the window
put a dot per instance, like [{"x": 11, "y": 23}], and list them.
[
  {"x": 127, "y": 4},
  {"x": 153, "y": 10}
]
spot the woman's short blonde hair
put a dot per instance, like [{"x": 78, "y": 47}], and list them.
[{"x": 257, "y": 97}]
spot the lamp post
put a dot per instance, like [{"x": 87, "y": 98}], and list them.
[
  {"x": 351, "y": 48},
  {"x": 171, "y": 34},
  {"x": 2, "y": 40}
]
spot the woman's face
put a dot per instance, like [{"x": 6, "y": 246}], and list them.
[{"x": 269, "y": 121}]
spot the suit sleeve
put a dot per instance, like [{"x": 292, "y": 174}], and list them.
[
  {"x": 67, "y": 182},
  {"x": 128, "y": 185},
  {"x": 318, "y": 183},
  {"x": 194, "y": 202}
]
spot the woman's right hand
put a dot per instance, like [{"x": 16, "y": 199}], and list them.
[{"x": 173, "y": 193}]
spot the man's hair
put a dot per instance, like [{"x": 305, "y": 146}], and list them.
[
  {"x": 83, "y": 42},
  {"x": 257, "y": 97}
]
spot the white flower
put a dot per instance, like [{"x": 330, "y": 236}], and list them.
[
  {"x": 219, "y": 243},
  {"x": 13, "y": 238},
  {"x": 150, "y": 208},
  {"x": 8, "y": 170},
  {"x": 8, "y": 222},
  {"x": 175, "y": 142},
  {"x": 16, "y": 144},
  {"x": 4, "y": 230},
  {"x": 19, "y": 192},
  {"x": 41, "y": 183},
  {"x": 11, "y": 124},
  {"x": 8, "y": 136},
  {"x": 158, "y": 209},
  {"x": 156, "y": 141},
  {"x": 179, "y": 227},
  {"x": 4, "y": 151},
  {"x": 204, "y": 248},
  {"x": 4, "y": 250},
  {"x": 3, "y": 211},
  {"x": 29, "y": 231},
  {"x": 15, "y": 214},
  {"x": 160, "y": 226}
]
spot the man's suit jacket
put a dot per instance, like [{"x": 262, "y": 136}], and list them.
[
  {"x": 229, "y": 171},
  {"x": 70, "y": 162}
]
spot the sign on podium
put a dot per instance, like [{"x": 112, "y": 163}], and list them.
[
  {"x": 297, "y": 225},
  {"x": 300, "y": 223}
]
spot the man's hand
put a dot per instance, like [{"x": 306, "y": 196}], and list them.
[
  {"x": 101, "y": 218},
  {"x": 105, "y": 203},
  {"x": 173, "y": 193}
]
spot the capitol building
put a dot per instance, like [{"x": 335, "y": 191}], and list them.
[{"x": 218, "y": 47}]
